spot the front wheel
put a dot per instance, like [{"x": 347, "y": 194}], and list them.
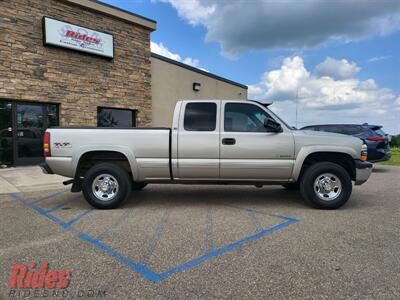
[
  {"x": 106, "y": 185},
  {"x": 326, "y": 185}
]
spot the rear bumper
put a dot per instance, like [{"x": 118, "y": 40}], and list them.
[
  {"x": 363, "y": 171},
  {"x": 384, "y": 156},
  {"x": 46, "y": 169}
]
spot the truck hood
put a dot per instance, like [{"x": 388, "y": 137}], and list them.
[{"x": 327, "y": 140}]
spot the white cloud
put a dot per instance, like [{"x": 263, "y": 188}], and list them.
[
  {"x": 326, "y": 99},
  {"x": 378, "y": 58},
  {"x": 337, "y": 69},
  {"x": 164, "y": 51},
  {"x": 269, "y": 24}
]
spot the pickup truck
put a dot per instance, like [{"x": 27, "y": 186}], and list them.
[{"x": 210, "y": 142}]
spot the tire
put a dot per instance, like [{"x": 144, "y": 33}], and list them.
[
  {"x": 293, "y": 186},
  {"x": 110, "y": 176},
  {"x": 338, "y": 185},
  {"x": 137, "y": 186}
]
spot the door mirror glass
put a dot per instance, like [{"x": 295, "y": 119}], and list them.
[{"x": 272, "y": 126}]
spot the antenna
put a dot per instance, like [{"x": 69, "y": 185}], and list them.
[{"x": 297, "y": 104}]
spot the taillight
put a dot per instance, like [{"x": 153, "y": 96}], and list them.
[
  {"x": 46, "y": 144},
  {"x": 376, "y": 139}
]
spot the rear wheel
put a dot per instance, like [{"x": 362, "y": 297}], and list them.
[
  {"x": 106, "y": 185},
  {"x": 326, "y": 185}
]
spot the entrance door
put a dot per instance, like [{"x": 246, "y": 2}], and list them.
[
  {"x": 31, "y": 124},
  {"x": 6, "y": 133},
  {"x": 22, "y": 126}
]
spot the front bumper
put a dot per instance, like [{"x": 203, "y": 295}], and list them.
[{"x": 363, "y": 171}]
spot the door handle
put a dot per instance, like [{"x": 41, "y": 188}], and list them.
[{"x": 228, "y": 141}]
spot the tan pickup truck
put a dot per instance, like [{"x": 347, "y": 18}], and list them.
[{"x": 210, "y": 142}]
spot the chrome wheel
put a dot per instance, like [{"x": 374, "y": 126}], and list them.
[
  {"x": 105, "y": 187},
  {"x": 327, "y": 187}
]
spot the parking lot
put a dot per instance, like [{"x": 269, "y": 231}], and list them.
[{"x": 179, "y": 242}]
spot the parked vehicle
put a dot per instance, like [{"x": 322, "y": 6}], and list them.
[
  {"x": 210, "y": 142},
  {"x": 377, "y": 140}
]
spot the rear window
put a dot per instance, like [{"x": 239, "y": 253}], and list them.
[
  {"x": 343, "y": 129},
  {"x": 380, "y": 132},
  {"x": 200, "y": 117}
]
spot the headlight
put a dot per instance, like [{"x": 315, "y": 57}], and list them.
[{"x": 364, "y": 152}]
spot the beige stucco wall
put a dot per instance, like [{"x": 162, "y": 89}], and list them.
[{"x": 171, "y": 83}]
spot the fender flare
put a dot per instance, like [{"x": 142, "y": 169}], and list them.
[
  {"x": 115, "y": 148},
  {"x": 308, "y": 150}
]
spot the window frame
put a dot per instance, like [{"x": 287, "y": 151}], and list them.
[
  {"x": 241, "y": 103},
  {"x": 134, "y": 116},
  {"x": 199, "y": 103}
]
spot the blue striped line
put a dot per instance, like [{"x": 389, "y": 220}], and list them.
[
  {"x": 140, "y": 267},
  {"x": 209, "y": 230},
  {"x": 77, "y": 218},
  {"x": 219, "y": 251},
  {"x": 49, "y": 197},
  {"x": 58, "y": 206},
  {"x": 152, "y": 244},
  {"x": 254, "y": 220},
  {"x": 122, "y": 218}
]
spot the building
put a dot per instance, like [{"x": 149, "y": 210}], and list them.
[
  {"x": 172, "y": 81},
  {"x": 81, "y": 62}
]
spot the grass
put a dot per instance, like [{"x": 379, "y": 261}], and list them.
[{"x": 395, "y": 160}]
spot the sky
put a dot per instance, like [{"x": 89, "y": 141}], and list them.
[{"x": 332, "y": 61}]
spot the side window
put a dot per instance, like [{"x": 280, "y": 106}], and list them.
[
  {"x": 200, "y": 117},
  {"x": 241, "y": 117}
]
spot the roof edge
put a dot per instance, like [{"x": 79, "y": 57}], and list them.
[
  {"x": 197, "y": 70},
  {"x": 116, "y": 12}
]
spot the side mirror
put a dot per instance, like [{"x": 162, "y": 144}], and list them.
[{"x": 272, "y": 125}]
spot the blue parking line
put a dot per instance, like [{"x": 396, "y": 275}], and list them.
[
  {"x": 122, "y": 218},
  {"x": 219, "y": 251},
  {"x": 77, "y": 218},
  {"x": 254, "y": 220},
  {"x": 209, "y": 230},
  {"x": 135, "y": 266},
  {"x": 58, "y": 206},
  {"x": 49, "y": 197},
  {"x": 141, "y": 268},
  {"x": 152, "y": 244}
]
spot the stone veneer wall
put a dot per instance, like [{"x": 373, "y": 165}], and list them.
[{"x": 77, "y": 81}]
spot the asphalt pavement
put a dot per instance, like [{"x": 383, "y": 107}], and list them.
[{"x": 205, "y": 242}]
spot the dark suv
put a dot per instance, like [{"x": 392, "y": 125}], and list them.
[{"x": 373, "y": 135}]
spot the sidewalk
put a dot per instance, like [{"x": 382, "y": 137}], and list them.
[{"x": 28, "y": 179}]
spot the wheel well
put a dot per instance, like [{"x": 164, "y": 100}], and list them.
[
  {"x": 342, "y": 159},
  {"x": 89, "y": 159}
]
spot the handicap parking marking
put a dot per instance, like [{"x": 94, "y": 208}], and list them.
[
  {"x": 141, "y": 267},
  {"x": 49, "y": 197},
  {"x": 153, "y": 242}
]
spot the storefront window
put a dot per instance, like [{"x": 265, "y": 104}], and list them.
[
  {"x": 115, "y": 117},
  {"x": 22, "y": 125}
]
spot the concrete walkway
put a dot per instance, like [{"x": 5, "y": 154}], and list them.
[{"x": 28, "y": 179}]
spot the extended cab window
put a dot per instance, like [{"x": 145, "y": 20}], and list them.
[
  {"x": 241, "y": 117},
  {"x": 200, "y": 117}
]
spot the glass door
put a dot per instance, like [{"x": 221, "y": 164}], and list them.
[{"x": 6, "y": 133}]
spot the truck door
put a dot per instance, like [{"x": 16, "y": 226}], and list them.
[
  {"x": 248, "y": 150},
  {"x": 198, "y": 140}
]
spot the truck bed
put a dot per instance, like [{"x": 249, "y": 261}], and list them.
[{"x": 149, "y": 147}]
